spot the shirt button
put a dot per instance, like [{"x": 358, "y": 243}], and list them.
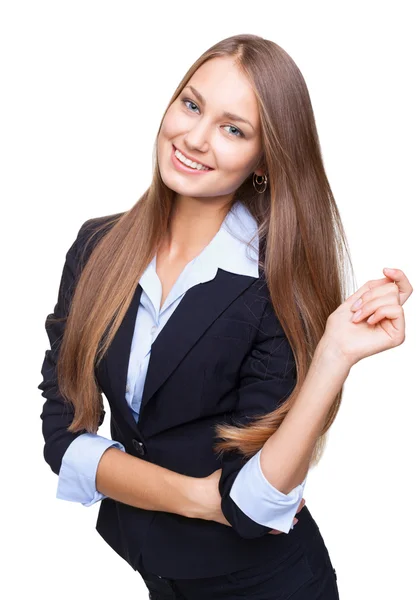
[
  {"x": 153, "y": 329},
  {"x": 127, "y": 389}
]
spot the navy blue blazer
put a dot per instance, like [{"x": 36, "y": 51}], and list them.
[{"x": 222, "y": 357}]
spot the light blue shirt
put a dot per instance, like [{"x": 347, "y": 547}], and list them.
[{"x": 251, "y": 491}]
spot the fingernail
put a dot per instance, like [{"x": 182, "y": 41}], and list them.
[
  {"x": 356, "y": 315},
  {"x": 356, "y": 304}
]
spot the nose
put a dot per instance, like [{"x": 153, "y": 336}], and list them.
[{"x": 197, "y": 137}]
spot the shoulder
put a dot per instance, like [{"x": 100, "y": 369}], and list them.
[
  {"x": 90, "y": 233},
  {"x": 259, "y": 289},
  {"x": 97, "y": 226},
  {"x": 269, "y": 324}
]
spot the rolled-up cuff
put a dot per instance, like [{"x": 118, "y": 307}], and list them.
[
  {"x": 77, "y": 477},
  {"x": 261, "y": 501}
]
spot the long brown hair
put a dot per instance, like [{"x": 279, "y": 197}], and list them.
[{"x": 300, "y": 232}]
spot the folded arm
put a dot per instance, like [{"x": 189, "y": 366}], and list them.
[{"x": 90, "y": 466}]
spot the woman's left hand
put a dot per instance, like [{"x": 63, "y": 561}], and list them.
[{"x": 376, "y": 311}]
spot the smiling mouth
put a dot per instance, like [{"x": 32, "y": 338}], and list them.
[{"x": 207, "y": 168}]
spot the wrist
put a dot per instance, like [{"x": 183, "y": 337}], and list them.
[
  {"x": 194, "y": 492},
  {"x": 329, "y": 354}
]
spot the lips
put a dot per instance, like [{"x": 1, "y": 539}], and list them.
[{"x": 191, "y": 158}]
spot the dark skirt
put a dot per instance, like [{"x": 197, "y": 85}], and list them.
[{"x": 305, "y": 572}]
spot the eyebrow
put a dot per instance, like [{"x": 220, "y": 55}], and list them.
[{"x": 226, "y": 114}]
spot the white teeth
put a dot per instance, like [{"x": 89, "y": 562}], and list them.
[{"x": 186, "y": 161}]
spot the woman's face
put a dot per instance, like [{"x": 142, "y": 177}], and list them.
[{"x": 195, "y": 124}]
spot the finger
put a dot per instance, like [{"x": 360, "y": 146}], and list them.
[
  {"x": 368, "y": 308},
  {"x": 300, "y": 506},
  {"x": 392, "y": 318},
  {"x": 353, "y": 297},
  {"x": 277, "y": 531},
  {"x": 379, "y": 291},
  {"x": 400, "y": 279},
  {"x": 366, "y": 288},
  {"x": 373, "y": 284}
]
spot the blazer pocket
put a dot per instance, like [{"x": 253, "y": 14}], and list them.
[{"x": 233, "y": 329}]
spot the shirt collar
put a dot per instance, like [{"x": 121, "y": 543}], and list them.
[{"x": 228, "y": 250}]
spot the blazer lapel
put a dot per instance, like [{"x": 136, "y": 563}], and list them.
[
  {"x": 116, "y": 359},
  {"x": 198, "y": 309}
]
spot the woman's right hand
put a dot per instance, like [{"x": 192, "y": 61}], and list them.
[{"x": 295, "y": 520}]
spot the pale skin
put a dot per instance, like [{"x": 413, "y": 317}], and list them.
[{"x": 202, "y": 201}]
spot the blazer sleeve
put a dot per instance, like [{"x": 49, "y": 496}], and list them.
[
  {"x": 56, "y": 414},
  {"x": 267, "y": 378}
]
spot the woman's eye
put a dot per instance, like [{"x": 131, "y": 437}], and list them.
[
  {"x": 190, "y": 102},
  {"x": 236, "y": 133}
]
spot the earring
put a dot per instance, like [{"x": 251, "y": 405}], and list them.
[{"x": 256, "y": 182}]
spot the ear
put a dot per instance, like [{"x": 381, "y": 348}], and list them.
[
  {"x": 259, "y": 172},
  {"x": 260, "y": 167}
]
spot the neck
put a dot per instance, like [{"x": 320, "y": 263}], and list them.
[{"x": 193, "y": 224}]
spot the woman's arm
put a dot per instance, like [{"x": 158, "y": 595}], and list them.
[
  {"x": 348, "y": 338},
  {"x": 119, "y": 475},
  {"x": 285, "y": 456},
  {"x": 142, "y": 484},
  {"x": 267, "y": 378}
]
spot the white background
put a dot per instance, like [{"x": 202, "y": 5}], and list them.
[{"x": 84, "y": 86}]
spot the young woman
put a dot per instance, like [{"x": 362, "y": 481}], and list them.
[{"x": 212, "y": 316}]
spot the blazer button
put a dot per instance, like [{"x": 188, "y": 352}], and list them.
[{"x": 139, "y": 447}]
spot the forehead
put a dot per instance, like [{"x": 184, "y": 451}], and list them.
[{"x": 225, "y": 87}]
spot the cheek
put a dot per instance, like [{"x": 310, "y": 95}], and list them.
[
  {"x": 173, "y": 123},
  {"x": 166, "y": 128},
  {"x": 167, "y": 133},
  {"x": 236, "y": 162}
]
